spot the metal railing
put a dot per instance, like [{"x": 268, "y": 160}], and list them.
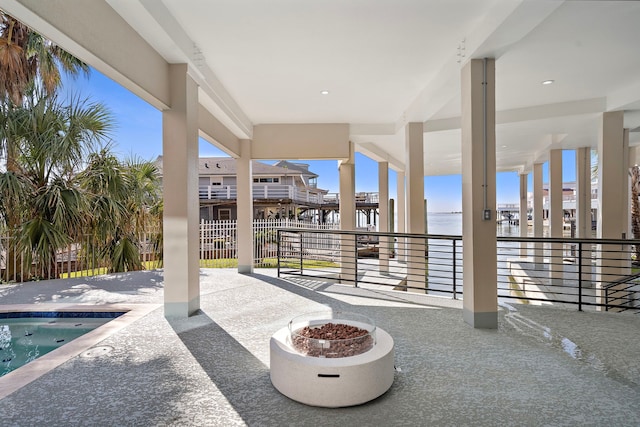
[
  {"x": 586, "y": 273},
  {"x": 622, "y": 295}
]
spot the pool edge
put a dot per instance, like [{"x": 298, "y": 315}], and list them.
[{"x": 17, "y": 379}]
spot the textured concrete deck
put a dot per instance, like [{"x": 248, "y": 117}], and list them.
[{"x": 543, "y": 366}]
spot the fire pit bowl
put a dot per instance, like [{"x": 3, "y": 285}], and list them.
[{"x": 332, "y": 359}]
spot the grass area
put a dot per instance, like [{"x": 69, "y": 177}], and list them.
[
  {"x": 212, "y": 263},
  {"x": 219, "y": 263},
  {"x": 84, "y": 273},
  {"x": 307, "y": 263},
  {"x": 148, "y": 265}
]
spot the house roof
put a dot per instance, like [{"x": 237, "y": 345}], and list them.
[
  {"x": 227, "y": 166},
  {"x": 300, "y": 167}
]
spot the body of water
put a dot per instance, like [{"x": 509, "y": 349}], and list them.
[{"x": 451, "y": 224}]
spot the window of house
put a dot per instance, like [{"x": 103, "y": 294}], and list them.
[
  {"x": 224, "y": 214},
  {"x": 215, "y": 180},
  {"x": 266, "y": 179}
]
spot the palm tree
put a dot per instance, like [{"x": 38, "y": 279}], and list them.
[
  {"x": 26, "y": 56},
  {"x": 41, "y": 195},
  {"x": 26, "y": 60},
  {"x": 125, "y": 199}
]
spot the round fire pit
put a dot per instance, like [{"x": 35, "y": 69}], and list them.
[{"x": 332, "y": 359}]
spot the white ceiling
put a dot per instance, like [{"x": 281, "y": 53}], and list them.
[{"x": 389, "y": 62}]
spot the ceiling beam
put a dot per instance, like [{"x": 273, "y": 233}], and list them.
[
  {"x": 537, "y": 112},
  {"x": 223, "y": 106},
  {"x": 376, "y": 153}
]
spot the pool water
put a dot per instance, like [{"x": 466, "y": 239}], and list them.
[{"x": 24, "y": 339}]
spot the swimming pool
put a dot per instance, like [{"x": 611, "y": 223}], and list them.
[{"x": 25, "y": 336}]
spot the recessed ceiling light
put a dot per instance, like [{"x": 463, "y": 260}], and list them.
[
  {"x": 547, "y": 82},
  {"x": 324, "y": 92}
]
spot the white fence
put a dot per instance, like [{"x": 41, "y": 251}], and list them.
[
  {"x": 218, "y": 249},
  {"x": 218, "y": 242}
]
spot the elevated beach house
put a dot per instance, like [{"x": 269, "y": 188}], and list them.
[{"x": 282, "y": 190}]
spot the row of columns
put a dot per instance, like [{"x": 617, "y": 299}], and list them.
[
  {"x": 613, "y": 205},
  {"x": 180, "y": 144}
]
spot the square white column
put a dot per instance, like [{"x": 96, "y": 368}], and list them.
[
  {"x": 400, "y": 189},
  {"x": 180, "y": 195},
  {"x": 523, "y": 212},
  {"x": 538, "y": 214},
  {"x": 480, "y": 303},
  {"x": 244, "y": 177},
  {"x": 613, "y": 199},
  {"x": 583, "y": 211},
  {"x": 556, "y": 216},
  {"x": 383, "y": 209},
  {"x": 583, "y": 192},
  {"x": 416, "y": 247},
  {"x": 348, "y": 249}
]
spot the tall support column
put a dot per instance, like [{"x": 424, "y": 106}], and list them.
[
  {"x": 180, "y": 196},
  {"x": 633, "y": 155},
  {"x": 612, "y": 199},
  {"x": 414, "y": 161},
  {"x": 400, "y": 188},
  {"x": 523, "y": 213},
  {"x": 245, "y": 237},
  {"x": 479, "y": 242},
  {"x": 556, "y": 215},
  {"x": 383, "y": 209},
  {"x": 626, "y": 195},
  {"x": 348, "y": 252},
  {"x": 583, "y": 210},
  {"x": 538, "y": 214}
]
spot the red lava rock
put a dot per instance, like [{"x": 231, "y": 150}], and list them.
[{"x": 332, "y": 340}]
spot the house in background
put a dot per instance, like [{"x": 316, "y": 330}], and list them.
[{"x": 283, "y": 190}]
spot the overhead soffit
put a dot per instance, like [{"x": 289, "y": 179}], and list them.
[{"x": 386, "y": 62}]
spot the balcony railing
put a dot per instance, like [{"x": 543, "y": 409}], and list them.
[
  {"x": 277, "y": 192},
  {"x": 585, "y": 273}
]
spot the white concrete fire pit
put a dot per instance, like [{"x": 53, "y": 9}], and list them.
[{"x": 332, "y": 359}]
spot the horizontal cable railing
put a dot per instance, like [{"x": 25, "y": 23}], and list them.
[
  {"x": 559, "y": 271},
  {"x": 623, "y": 293},
  {"x": 586, "y": 273},
  {"x": 385, "y": 260}
]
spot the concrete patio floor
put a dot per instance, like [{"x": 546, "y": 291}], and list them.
[{"x": 543, "y": 366}]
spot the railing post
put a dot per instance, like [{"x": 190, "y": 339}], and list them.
[
  {"x": 301, "y": 257},
  {"x": 355, "y": 261},
  {"x": 278, "y": 242},
  {"x": 454, "y": 268}
]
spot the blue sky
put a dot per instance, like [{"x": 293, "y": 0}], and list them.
[{"x": 138, "y": 133}]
